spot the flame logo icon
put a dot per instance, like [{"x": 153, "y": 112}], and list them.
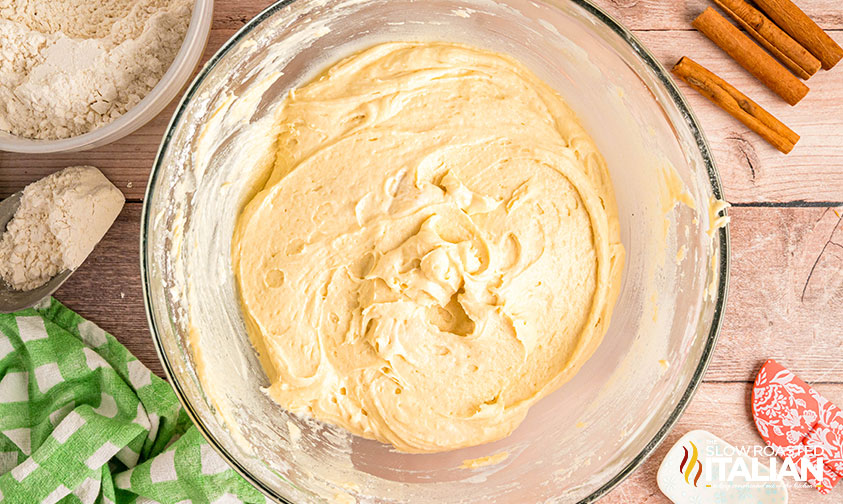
[{"x": 686, "y": 468}]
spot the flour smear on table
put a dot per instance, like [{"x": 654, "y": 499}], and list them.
[{"x": 68, "y": 67}]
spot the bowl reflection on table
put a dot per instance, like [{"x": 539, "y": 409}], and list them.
[{"x": 575, "y": 444}]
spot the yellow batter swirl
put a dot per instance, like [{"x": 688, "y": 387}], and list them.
[{"x": 435, "y": 249}]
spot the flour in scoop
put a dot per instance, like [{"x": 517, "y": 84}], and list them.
[
  {"x": 68, "y": 67},
  {"x": 59, "y": 221}
]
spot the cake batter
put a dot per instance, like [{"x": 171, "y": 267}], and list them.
[{"x": 435, "y": 249}]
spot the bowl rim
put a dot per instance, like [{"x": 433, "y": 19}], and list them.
[
  {"x": 157, "y": 99},
  {"x": 678, "y": 100}
]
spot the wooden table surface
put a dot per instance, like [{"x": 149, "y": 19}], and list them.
[{"x": 787, "y": 229}]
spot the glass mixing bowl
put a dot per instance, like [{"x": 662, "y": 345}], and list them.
[{"x": 575, "y": 444}]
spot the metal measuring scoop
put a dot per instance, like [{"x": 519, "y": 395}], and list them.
[{"x": 12, "y": 300}]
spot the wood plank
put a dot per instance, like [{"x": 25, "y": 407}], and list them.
[
  {"x": 723, "y": 410},
  {"x": 751, "y": 170},
  {"x": 773, "y": 253},
  {"x": 784, "y": 297},
  {"x": 678, "y": 14},
  {"x": 634, "y": 14}
]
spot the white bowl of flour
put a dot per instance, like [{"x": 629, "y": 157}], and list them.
[{"x": 78, "y": 75}]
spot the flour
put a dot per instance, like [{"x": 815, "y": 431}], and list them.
[
  {"x": 68, "y": 67},
  {"x": 60, "y": 220}
]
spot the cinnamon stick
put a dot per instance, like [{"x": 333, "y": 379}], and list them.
[
  {"x": 795, "y": 22},
  {"x": 725, "y": 96},
  {"x": 754, "y": 59},
  {"x": 795, "y": 57}
]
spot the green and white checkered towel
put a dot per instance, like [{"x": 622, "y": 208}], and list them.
[{"x": 82, "y": 420}]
